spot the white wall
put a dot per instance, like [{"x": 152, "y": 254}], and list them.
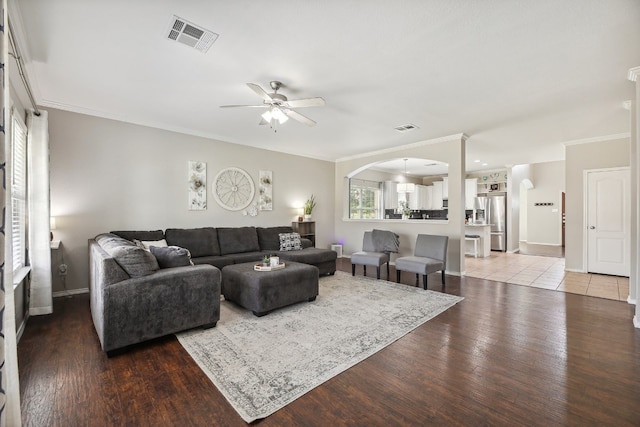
[
  {"x": 518, "y": 229},
  {"x": 109, "y": 175},
  {"x": 544, "y": 223},
  {"x": 450, "y": 150},
  {"x": 581, "y": 157}
]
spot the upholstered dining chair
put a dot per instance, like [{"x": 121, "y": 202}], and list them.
[
  {"x": 376, "y": 248},
  {"x": 430, "y": 256}
]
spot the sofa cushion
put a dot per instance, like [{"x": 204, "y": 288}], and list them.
[
  {"x": 199, "y": 241},
  {"x": 171, "y": 256},
  {"x": 237, "y": 240},
  {"x": 140, "y": 235},
  {"x": 216, "y": 261},
  {"x": 133, "y": 259},
  {"x": 269, "y": 238},
  {"x": 290, "y": 242},
  {"x": 254, "y": 257}
]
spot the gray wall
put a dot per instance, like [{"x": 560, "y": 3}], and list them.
[
  {"x": 109, "y": 175},
  {"x": 579, "y": 158}
]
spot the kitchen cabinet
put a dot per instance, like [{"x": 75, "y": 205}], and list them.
[
  {"x": 420, "y": 199},
  {"x": 436, "y": 201},
  {"x": 414, "y": 198},
  {"x": 445, "y": 188},
  {"x": 470, "y": 192},
  {"x": 428, "y": 197}
]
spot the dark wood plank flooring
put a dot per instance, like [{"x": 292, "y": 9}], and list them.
[{"x": 506, "y": 355}]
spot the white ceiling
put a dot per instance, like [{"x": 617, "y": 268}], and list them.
[{"x": 519, "y": 77}]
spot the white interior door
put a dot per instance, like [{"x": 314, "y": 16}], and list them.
[{"x": 608, "y": 222}]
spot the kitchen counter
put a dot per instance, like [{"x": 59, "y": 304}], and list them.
[{"x": 484, "y": 245}]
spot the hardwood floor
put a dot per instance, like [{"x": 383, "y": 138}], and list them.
[{"x": 506, "y": 355}]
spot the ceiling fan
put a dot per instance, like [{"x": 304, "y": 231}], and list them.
[{"x": 279, "y": 107}]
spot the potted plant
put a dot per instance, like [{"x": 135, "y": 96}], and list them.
[
  {"x": 406, "y": 211},
  {"x": 308, "y": 207},
  {"x": 266, "y": 260}
]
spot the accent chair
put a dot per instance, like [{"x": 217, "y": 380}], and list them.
[{"x": 430, "y": 256}]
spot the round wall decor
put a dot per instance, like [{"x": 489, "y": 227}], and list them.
[{"x": 233, "y": 189}]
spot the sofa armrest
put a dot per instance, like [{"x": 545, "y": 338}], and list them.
[
  {"x": 168, "y": 301},
  {"x": 306, "y": 243}
]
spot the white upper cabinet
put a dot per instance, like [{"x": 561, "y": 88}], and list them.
[
  {"x": 414, "y": 198},
  {"x": 428, "y": 190},
  {"x": 436, "y": 201},
  {"x": 470, "y": 192},
  {"x": 445, "y": 188},
  {"x": 419, "y": 198}
]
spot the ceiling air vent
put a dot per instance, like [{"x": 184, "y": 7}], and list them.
[
  {"x": 406, "y": 128},
  {"x": 188, "y": 33}
]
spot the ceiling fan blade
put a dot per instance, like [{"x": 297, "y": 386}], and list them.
[
  {"x": 306, "y": 102},
  {"x": 261, "y": 93},
  {"x": 297, "y": 116},
  {"x": 263, "y": 122},
  {"x": 248, "y": 106}
]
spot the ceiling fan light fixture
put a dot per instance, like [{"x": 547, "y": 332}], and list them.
[
  {"x": 267, "y": 116},
  {"x": 278, "y": 114},
  {"x": 274, "y": 114}
]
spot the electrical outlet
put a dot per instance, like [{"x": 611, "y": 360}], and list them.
[{"x": 62, "y": 269}]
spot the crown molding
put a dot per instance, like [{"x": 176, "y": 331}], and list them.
[
  {"x": 456, "y": 137},
  {"x": 634, "y": 73},
  {"x": 598, "y": 139}
]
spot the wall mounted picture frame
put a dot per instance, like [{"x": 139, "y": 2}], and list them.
[
  {"x": 197, "y": 185},
  {"x": 265, "y": 198}
]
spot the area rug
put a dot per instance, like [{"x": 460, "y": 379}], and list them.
[{"x": 261, "y": 364}]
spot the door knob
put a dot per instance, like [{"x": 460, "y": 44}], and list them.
[{"x": 592, "y": 227}]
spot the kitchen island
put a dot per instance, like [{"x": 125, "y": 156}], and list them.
[{"x": 484, "y": 244}]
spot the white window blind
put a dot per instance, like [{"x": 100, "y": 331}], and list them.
[{"x": 18, "y": 191}]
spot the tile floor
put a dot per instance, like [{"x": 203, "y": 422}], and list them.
[{"x": 545, "y": 272}]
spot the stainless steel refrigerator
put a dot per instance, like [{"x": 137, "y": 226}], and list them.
[{"x": 495, "y": 214}]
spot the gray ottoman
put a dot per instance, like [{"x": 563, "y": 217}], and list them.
[{"x": 264, "y": 291}]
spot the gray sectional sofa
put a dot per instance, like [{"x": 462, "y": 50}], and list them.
[{"x": 136, "y": 296}]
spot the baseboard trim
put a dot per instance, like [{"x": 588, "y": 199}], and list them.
[
  {"x": 574, "y": 270},
  {"x": 631, "y": 300},
  {"x": 40, "y": 311},
  {"x": 70, "y": 292},
  {"x": 636, "y": 322}
]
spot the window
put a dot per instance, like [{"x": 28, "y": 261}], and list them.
[
  {"x": 364, "y": 199},
  {"x": 18, "y": 192}
]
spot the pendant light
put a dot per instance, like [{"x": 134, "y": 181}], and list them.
[{"x": 406, "y": 187}]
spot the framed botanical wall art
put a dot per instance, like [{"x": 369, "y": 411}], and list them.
[
  {"x": 197, "y": 186},
  {"x": 265, "y": 201}
]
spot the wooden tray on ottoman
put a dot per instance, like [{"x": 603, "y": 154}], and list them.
[{"x": 260, "y": 267}]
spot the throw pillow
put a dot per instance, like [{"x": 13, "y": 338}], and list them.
[
  {"x": 290, "y": 242},
  {"x": 171, "y": 256},
  {"x": 144, "y": 244},
  {"x": 134, "y": 260}
]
